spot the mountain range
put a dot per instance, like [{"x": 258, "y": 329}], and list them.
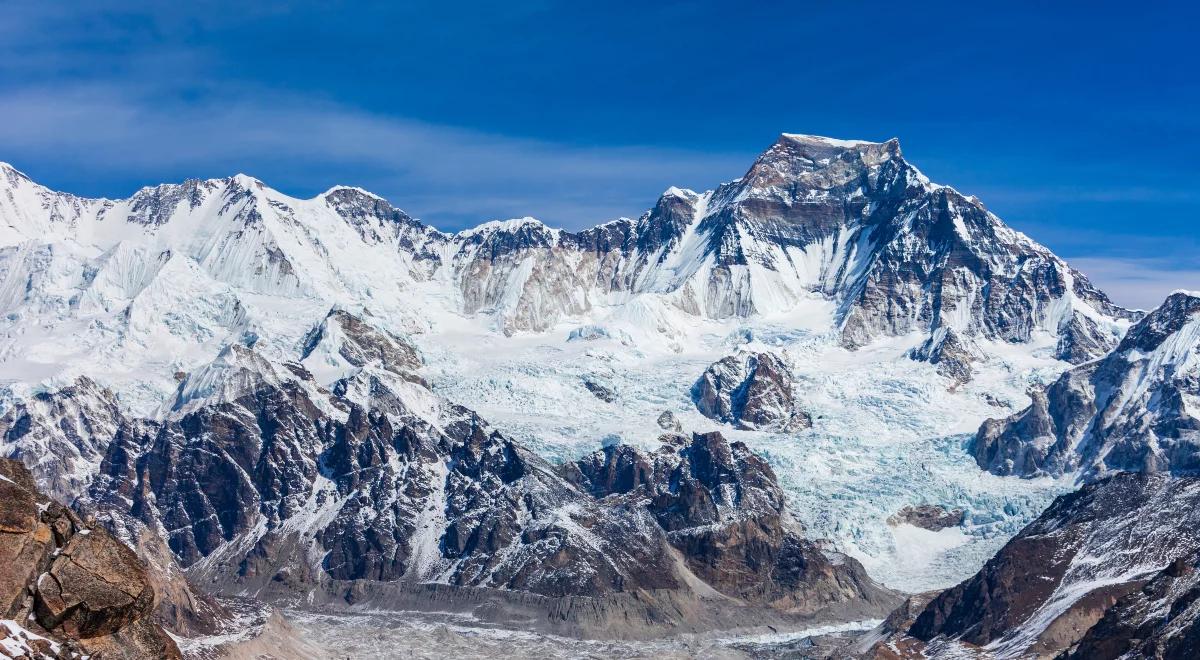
[{"x": 276, "y": 399}]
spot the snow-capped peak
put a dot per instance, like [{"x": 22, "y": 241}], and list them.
[
  {"x": 684, "y": 193},
  {"x": 9, "y": 170},
  {"x": 814, "y": 218},
  {"x": 828, "y": 141},
  {"x": 513, "y": 224},
  {"x": 349, "y": 189}
]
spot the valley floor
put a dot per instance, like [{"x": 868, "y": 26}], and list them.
[{"x": 305, "y": 635}]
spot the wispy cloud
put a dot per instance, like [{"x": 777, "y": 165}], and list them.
[
  {"x": 448, "y": 175},
  {"x": 1138, "y": 283}
]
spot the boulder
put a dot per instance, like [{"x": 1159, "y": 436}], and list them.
[
  {"x": 74, "y": 585},
  {"x": 933, "y": 517}
]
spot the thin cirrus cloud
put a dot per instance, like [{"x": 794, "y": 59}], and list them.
[
  {"x": 451, "y": 177},
  {"x": 1140, "y": 283}
]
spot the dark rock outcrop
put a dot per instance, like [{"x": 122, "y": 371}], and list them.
[
  {"x": 933, "y": 517},
  {"x": 668, "y": 422},
  {"x": 723, "y": 510},
  {"x": 1136, "y": 409},
  {"x": 600, "y": 390},
  {"x": 751, "y": 391},
  {"x": 72, "y": 583},
  {"x": 952, "y": 355},
  {"x": 1082, "y": 563}
]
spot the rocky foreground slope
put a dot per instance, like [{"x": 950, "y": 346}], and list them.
[
  {"x": 1087, "y": 558},
  {"x": 67, "y": 588}
]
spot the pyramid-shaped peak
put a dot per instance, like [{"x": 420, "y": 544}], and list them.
[
  {"x": 795, "y": 156},
  {"x": 826, "y": 141},
  {"x": 817, "y": 147}
]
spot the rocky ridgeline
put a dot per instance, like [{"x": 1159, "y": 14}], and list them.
[
  {"x": 1136, "y": 409},
  {"x": 1104, "y": 572},
  {"x": 850, "y": 221},
  {"x": 70, "y": 588},
  {"x": 752, "y": 391},
  {"x": 896, "y": 252}
]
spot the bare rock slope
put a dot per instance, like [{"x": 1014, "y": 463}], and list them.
[
  {"x": 1138, "y": 408},
  {"x": 74, "y": 586},
  {"x": 750, "y": 391}
]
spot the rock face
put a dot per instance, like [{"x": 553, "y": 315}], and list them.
[
  {"x": 933, "y": 517},
  {"x": 600, "y": 390},
  {"x": 75, "y": 584},
  {"x": 668, "y": 422},
  {"x": 723, "y": 511},
  {"x": 1136, "y": 409},
  {"x": 304, "y": 483},
  {"x": 751, "y": 391},
  {"x": 951, "y": 354},
  {"x": 1085, "y": 572},
  {"x": 62, "y": 437}
]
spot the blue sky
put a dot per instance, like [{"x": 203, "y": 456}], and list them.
[{"x": 1077, "y": 123}]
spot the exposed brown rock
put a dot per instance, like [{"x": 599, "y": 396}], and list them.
[
  {"x": 94, "y": 587},
  {"x": 76, "y": 585}
]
